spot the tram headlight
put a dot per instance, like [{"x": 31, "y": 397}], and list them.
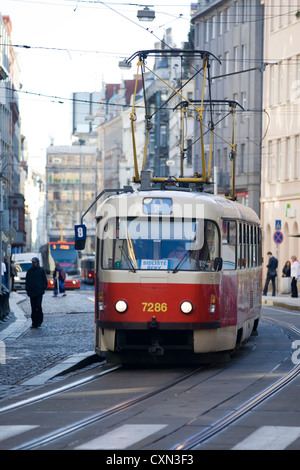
[
  {"x": 186, "y": 307},
  {"x": 121, "y": 306}
]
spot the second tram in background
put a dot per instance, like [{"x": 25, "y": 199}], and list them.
[
  {"x": 87, "y": 269},
  {"x": 64, "y": 253}
]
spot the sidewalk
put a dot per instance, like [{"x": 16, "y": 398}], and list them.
[
  {"x": 65, "y": 340},
  {"x": 282, "y": 300},
  {"x": 20, "y": 319},
  {"x": 18, "y": 322}
]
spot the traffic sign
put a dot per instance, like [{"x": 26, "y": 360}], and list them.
[
  {"x": 80, "y": 237},
  {"x": 277, "y": 224},
  {"x": 278, "y": 237}
]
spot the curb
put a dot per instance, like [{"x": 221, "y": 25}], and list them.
[
  {"x": 74, "y": 362},
  {"x": 277, "y": 303},
  {"x": 21, "y": 322}
]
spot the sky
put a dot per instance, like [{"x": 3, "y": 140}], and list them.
[{"x": 76, "y": 45}]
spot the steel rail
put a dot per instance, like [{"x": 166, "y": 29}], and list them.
[
  {"x": 219, "y": 425},
  {"x": 65, "y": 430},
  {"x": 63, "y": 388}
]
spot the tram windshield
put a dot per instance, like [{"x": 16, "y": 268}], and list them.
[{"x": 163, "y": 244}]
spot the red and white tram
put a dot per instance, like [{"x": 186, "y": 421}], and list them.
[{"x": 177, "y": 271}]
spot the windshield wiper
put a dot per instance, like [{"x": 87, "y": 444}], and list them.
[
  {"x": 127, "y": 258},
  {"x": 188, "y": 253}
]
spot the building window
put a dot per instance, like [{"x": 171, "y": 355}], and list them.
[
  {"x": 206, "y": 30},
  {"x": 279, "y": 173},
  {"x": 213, "y": 27},
  {"x": 237, "y": 19},
  {"x": 236, "y": 58},
  {"x": 289, "y": 80},
  {"x": 226, "y": 19},
  {"x": 288, "y": 159},
  {"x": 280, "y": 84},
  {"x": 189, "y": 155},
  {"x": 272, "y": 84},
  {"x": 226, "y": 62},
  {"x": 244, "y": 56},
  {"x": 297, "y": 157},
  {"x": 221, "y": 20},
  {"x": 244, "y": 11},
  {"x": 270, "y": 162},
  {"x": 243, "y": 158}
]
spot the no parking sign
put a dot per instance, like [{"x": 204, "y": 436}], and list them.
[{"x": 278, "y": 237}]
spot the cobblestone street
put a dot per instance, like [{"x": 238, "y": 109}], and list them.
[{"x": 68, "y": 329}]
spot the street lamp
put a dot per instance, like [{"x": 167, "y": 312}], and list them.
[
  {"x": 146, "y": 14},
  {"x": 123, "y": 64}
]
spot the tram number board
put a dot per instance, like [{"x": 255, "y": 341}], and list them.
[
  {"x": 154, "y": 307},
  {"x": 159, "y": 206}
]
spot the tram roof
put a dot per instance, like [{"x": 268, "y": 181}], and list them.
[{"x": 216, "y": 205}]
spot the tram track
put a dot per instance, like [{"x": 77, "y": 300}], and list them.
[
  {"x": 56, "y": 391},
  {"x": 218, "y": 426},
  {"x": 61, "y": 434},
  {"x": 79, "y": 425}
]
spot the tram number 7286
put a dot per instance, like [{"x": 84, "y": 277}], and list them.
[{"x": 154, "y": 307}]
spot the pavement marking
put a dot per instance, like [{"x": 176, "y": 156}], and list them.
[
  {"x": 6, "y": 432},
  {"x": 122, "y": 437},
  {"x": 269, "y": 438}
]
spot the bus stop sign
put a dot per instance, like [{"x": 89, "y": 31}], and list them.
[{"x": 80, "y": 237}]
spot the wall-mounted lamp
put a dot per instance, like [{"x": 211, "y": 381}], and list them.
[{"x": 146, "y": 14}]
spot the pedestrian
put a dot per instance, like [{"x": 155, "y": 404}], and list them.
[
  {"x": 35, "y": 285},
  {"x": 294, "y": 275},
  {"x": 286, "y": 271},
  {"x": 271, "y": 274},
  {"x": 59, "y": 277},
  {"x": 13, "y": 273},
  {"x": 3, "y": 271}
]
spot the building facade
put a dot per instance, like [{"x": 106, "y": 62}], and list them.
[
  {"x": 280, "y": 198},
  {"x": 226, "y": 29},
  {"x": 71, "y": 187},
  {"x": 11, "y": 201}
]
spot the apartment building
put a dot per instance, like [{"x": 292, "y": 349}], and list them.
[
  {"x": 280, "y": 196},
  {"x": 232, "y": 30},
  {"x": 71, "y": 179}
]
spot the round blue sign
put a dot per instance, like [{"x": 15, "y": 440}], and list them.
[{"x": 278, "y": 237}]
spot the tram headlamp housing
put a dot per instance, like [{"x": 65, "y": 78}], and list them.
[
  {"x": 186, "y": 307},
  {"x": 121, "y": 306}
]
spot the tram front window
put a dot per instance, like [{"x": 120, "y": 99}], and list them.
[{"x": 135, "y": 244}]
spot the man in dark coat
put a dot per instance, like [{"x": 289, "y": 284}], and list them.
[
  {"x": 271, "y": 274},
  {"x": 35, "y": 285}
]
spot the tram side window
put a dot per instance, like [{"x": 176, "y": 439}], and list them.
[
  {"x": 249, "y": 246},
  {"x": 259, "y": 248},
  {"x": 229, "y": 245}
]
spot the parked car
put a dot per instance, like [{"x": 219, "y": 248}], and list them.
[{"x": 22, "y": 264}]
